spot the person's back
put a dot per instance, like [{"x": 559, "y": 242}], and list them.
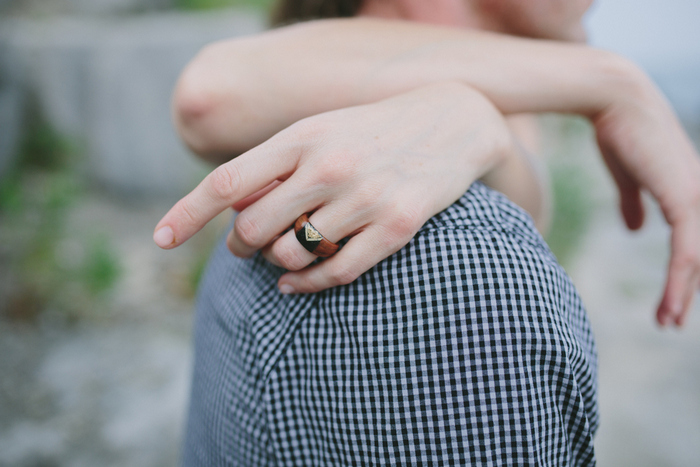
[{"x": 467, "y": 346}]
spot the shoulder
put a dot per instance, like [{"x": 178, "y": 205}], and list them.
[
  {"x": 482, "y": 232},
  {"x": 482, "y": 252},
  {"x": 482, "y": 210}
]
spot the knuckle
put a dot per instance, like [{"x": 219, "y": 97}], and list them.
[
  {"x": 289, "y": 259},
  {"x": 342, "y": 274},
  {"x": 224, "y": 181},
  {"x": 246, "y": 230},
  {"x": 406, "y": 222},
  {"x": 232, "y": 247},
  {"x": 308, "y": 127},
  {"x": 188, "y": 211},
  {"x": 331, "y": 170},
  {"x": 368, "y": 195},
  {"x": 304, "y": 135}
]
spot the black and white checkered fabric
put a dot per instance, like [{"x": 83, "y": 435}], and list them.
[{"x": 469, "y": 346}]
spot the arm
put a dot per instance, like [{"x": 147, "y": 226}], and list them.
[
  {"x": 238, "y": 93},
  {"x": 292, "y": 73},
  {"x": 374, "y": 173}
]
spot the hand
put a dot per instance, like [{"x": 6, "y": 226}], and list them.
[
  {"x": 374, "y": 173},
  {"x": 645, "y": 147}
]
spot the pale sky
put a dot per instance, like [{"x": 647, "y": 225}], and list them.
[
  {"x": 662, "y": 36},
  {"x": 655, "y": 33}
]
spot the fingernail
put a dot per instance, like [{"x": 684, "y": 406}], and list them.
[
  {"x": 286, "y": 289},
  {"x": 164, "y": 237}
]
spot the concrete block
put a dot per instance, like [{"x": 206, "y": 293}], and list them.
[
  {"x": 81, "y": 7},
  {"x": 132, "y": 77},
  {"x": 108, "y": 83},
  {"x": 53, "y": 58}
]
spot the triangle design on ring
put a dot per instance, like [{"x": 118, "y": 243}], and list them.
[{"x": 311, "y": 234}]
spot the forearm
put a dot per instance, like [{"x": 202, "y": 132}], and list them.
[{"x": 238, "y": 93}]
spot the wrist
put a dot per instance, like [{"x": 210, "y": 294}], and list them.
[
  {"x": 497, "y": 141},
  {"x": 623, "y": 87}
]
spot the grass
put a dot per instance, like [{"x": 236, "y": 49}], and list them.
[
  {"x": 571, "y": 185},
  {"x": 264, "y": 5},
  {"x": 572, "y": 211},
  {"x": 101, "y": 269},
  {"x": 37, "y": 196}
]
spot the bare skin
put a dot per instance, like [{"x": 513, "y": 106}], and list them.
[{"x": 367, "y": 62}]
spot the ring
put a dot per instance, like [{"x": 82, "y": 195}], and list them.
[{"x": 312, "y": 240}]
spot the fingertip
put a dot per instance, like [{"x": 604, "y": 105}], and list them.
[
  {"x": 671, "y": 314},
  {"x": 676, "y": 312},
  {"x": 680, "y": 321},
  {"x": 634, "y": 217},
  {"x": 164, "y": 237},
  {"x": 635, "y": 225},
  {"x": 288, "y": 285},
  {"x": 297, "y": 282},
  {"x": 632, "y": 208},
  {"x": 662, "y": 318},
  {"x": 684, "y": 311}
]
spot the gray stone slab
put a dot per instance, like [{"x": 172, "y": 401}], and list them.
[
  {"x": 85, "y": 7},
  {"x": 108, "y": 83},
  {"x": 53, "y": 61},
  {"x": 133, "y": 74}
]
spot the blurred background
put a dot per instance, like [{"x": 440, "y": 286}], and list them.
[{"x": 95, "y": 321}]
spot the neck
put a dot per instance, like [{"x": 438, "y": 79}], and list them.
[{"x": 456, "y": 13}]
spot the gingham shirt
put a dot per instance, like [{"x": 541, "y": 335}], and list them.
[{"x": 469, "y": 346}]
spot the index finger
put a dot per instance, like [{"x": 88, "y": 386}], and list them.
[{"x": 226, "y": 185}]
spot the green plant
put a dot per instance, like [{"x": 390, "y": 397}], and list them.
[
  {"x": 100, "y": 269},
  {"x": 572, "y": 211},
  {"x": 211, "y": 4},
  {"x": 10, "y": 193},
  {"x": 571, "y": 184},
  {"x": 42, "y": 147},
  {"x": 37, "y": 197},
  {"x": 197, "y": 268}
]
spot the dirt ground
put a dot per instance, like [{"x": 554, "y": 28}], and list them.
[{"x": 649, "y": 378}]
